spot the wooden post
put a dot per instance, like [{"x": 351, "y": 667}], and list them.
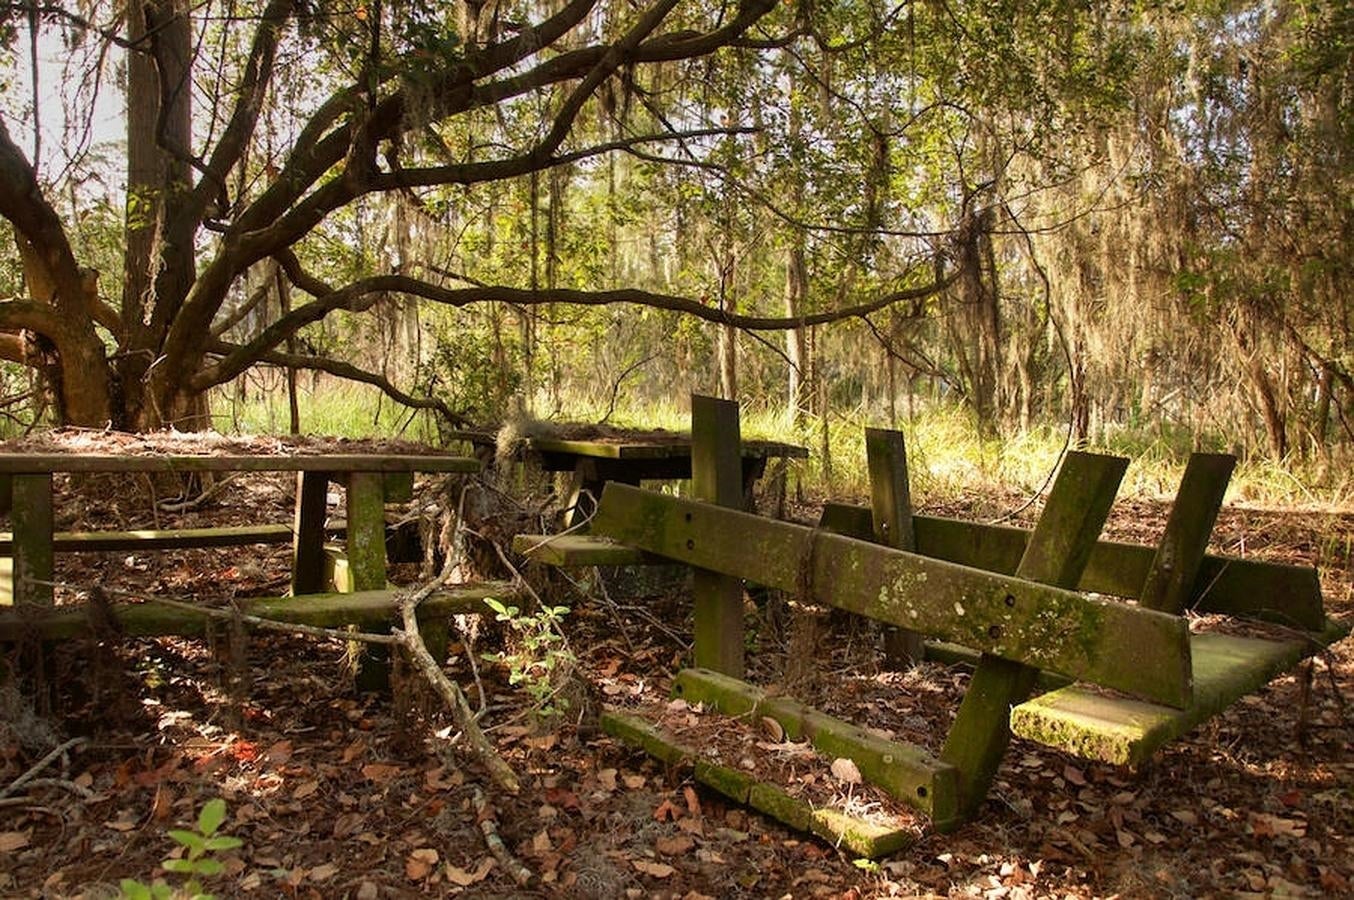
[
  {"x": 32, "y": 516},
  {"x": 312, "y": 490},
  {"x": 891, "y": 507},
  {"x": 367, "y": 565},
  {"x": 1181, "y": 550},
  {"x": 717, "y": 477},
  {"x": 1058, "y": 550}
]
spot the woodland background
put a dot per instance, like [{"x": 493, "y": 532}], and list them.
[{"x": 1123, "y": 222}]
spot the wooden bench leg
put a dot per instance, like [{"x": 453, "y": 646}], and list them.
[
  {"x": 33, "y": 518},
  {"x": 1180, "y": 552},
  {"x": 717, "y": 477},
  {"x": 891, "y": 509},
  {"x": 367, "y": 565},
  {"x": 1058, "y": 551},
  {"x": 312, "y": 489}
]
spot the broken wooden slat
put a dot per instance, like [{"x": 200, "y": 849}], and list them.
[
  {"x": 1125, "y": 731},
  {"x": 717, "y": 478},
  {"x": 1077, "y": 507},
  {"x": 368, "y": 610},
  {"x": 1180, "y": 551},
  {"x": 854, "y": 835},
  {"x": 1277, "y": 592},
  {"x": 33, "y": 463},
  {"x": 904, "y": 771},
  {"x": 891, "y": 506},
  {"x": 1134, "y": 650},
  {"x": 577, "y": 550}
]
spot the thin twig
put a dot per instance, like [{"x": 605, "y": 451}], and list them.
[
  {"x": 78, "y": 790},
  {"x": 41, "y": 764}
]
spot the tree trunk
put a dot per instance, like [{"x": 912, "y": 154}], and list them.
[{"x": 796, "y": 289}]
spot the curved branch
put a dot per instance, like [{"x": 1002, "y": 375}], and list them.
[
  {"x": 363, "y": 294},
  {"x": 339, "y": 369}
]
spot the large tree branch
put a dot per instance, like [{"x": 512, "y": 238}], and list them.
[
  {"x": 244, "y": 118},
  {"x": 346, "y": 371},
  {"x": 361, "y": 295}
]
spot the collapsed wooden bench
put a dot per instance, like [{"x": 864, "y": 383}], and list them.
[{"x": 1019, "y": 599}]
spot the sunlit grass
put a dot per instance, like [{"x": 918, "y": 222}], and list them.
[{"x": 948, "y": 457}]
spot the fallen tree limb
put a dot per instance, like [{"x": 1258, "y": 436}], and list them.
[
  {"x": 489, "y": 828},
  {"x": 450, "y": 692},
  {"x": 41, "y": 764}
]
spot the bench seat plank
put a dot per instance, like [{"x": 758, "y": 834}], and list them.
[
  {"x": 1125, "y": 731},
  {"x": 162, "y": 539},
  {"x": 577, "y": 550},
  {"x": 366, "y": 609}
]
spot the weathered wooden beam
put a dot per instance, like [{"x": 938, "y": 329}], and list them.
[
  {"x": 1180, "y": 551},
  {"x": 854, "y": 835},
  {"x": 904, "y": 771},
  {"x": 1286, "y": 594},
  {"x": 891, "y": 506},
  {"x": 36, "y": 463},
  {"x": 1124, "y": 731},
  {"x": 312, "y": 493},
  {"x": 576, "y": 550},
  {"x": 368, "y": 610},
  {"x": 1135, "y": 650},
  {"x": 1077, "y": 507},
  {"x": 149, "y": 539},
  {"x": 717, "y": 478}
]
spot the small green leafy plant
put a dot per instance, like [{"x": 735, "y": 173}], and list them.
[
  {"x": 540, "y": 661},
  {"x": 199, "y": 861}
]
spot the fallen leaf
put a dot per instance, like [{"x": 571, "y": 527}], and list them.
[
  {"x": 1074, "y": 775},
  {"x": 656, "y": 869},
  {"x": 420, "y": 863},
  {"x": 666, "y": 812},
  {"x": 323, "y": 872},
  {"x": 607, "y": 779},
  {"x": 465, "y": 878},
  {"x": 846, "y": 770},
  {"x": 773, "y": 729},
  {"x": 380, "y": 773},
  {"x": 13, "y": 840},
  {"x": 305, "y": 789},
  {"x": 1185, "y": 817},
  {"x": 634, "y": 782},
  {"x": 677, "y": 845},
  {"x": 279, "y": 753},
  {"x": 541, "y": 842},
  {"x": 693, "y": 801}
]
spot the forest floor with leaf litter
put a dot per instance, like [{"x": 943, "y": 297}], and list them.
[{"x": 336, "y": 795}]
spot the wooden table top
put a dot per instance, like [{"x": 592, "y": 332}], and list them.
[
  {"x": 622, "y": 447},
  {"x": 41, "y": 463}
]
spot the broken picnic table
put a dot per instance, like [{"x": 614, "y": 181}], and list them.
[
  {"x": 27, "y": 575},
  {"x": 1017, "y": 599},
  {"x": 626, "y": 458}
]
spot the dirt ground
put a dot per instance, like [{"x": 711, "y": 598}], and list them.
[{"x": 337, "y": 795}]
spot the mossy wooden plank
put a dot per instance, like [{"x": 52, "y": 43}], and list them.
[
  {"x": 1180, "y": 551},
  {"x": 573, "y": 550},
  {"x": 717, "y": 478},
  {"x": 1105, "y": 642},
  {"x": 33, "y": 552},
  {"x": 1059, "y": 547},
  {"x": 162, "y": 539},
  {"x": 31, "y": 463},
  {"x": 1125, "y": 731},
  {"x": 639, "y": 449},
  {"x": 891, "y": 507},
  {"x": 367, "y": 610},
  {"x": 904, "y": 771},
  {"x": 850, "y": 833},
  {"x": 366, "y": 552},
  {"x": 1277, "y": 592}
]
